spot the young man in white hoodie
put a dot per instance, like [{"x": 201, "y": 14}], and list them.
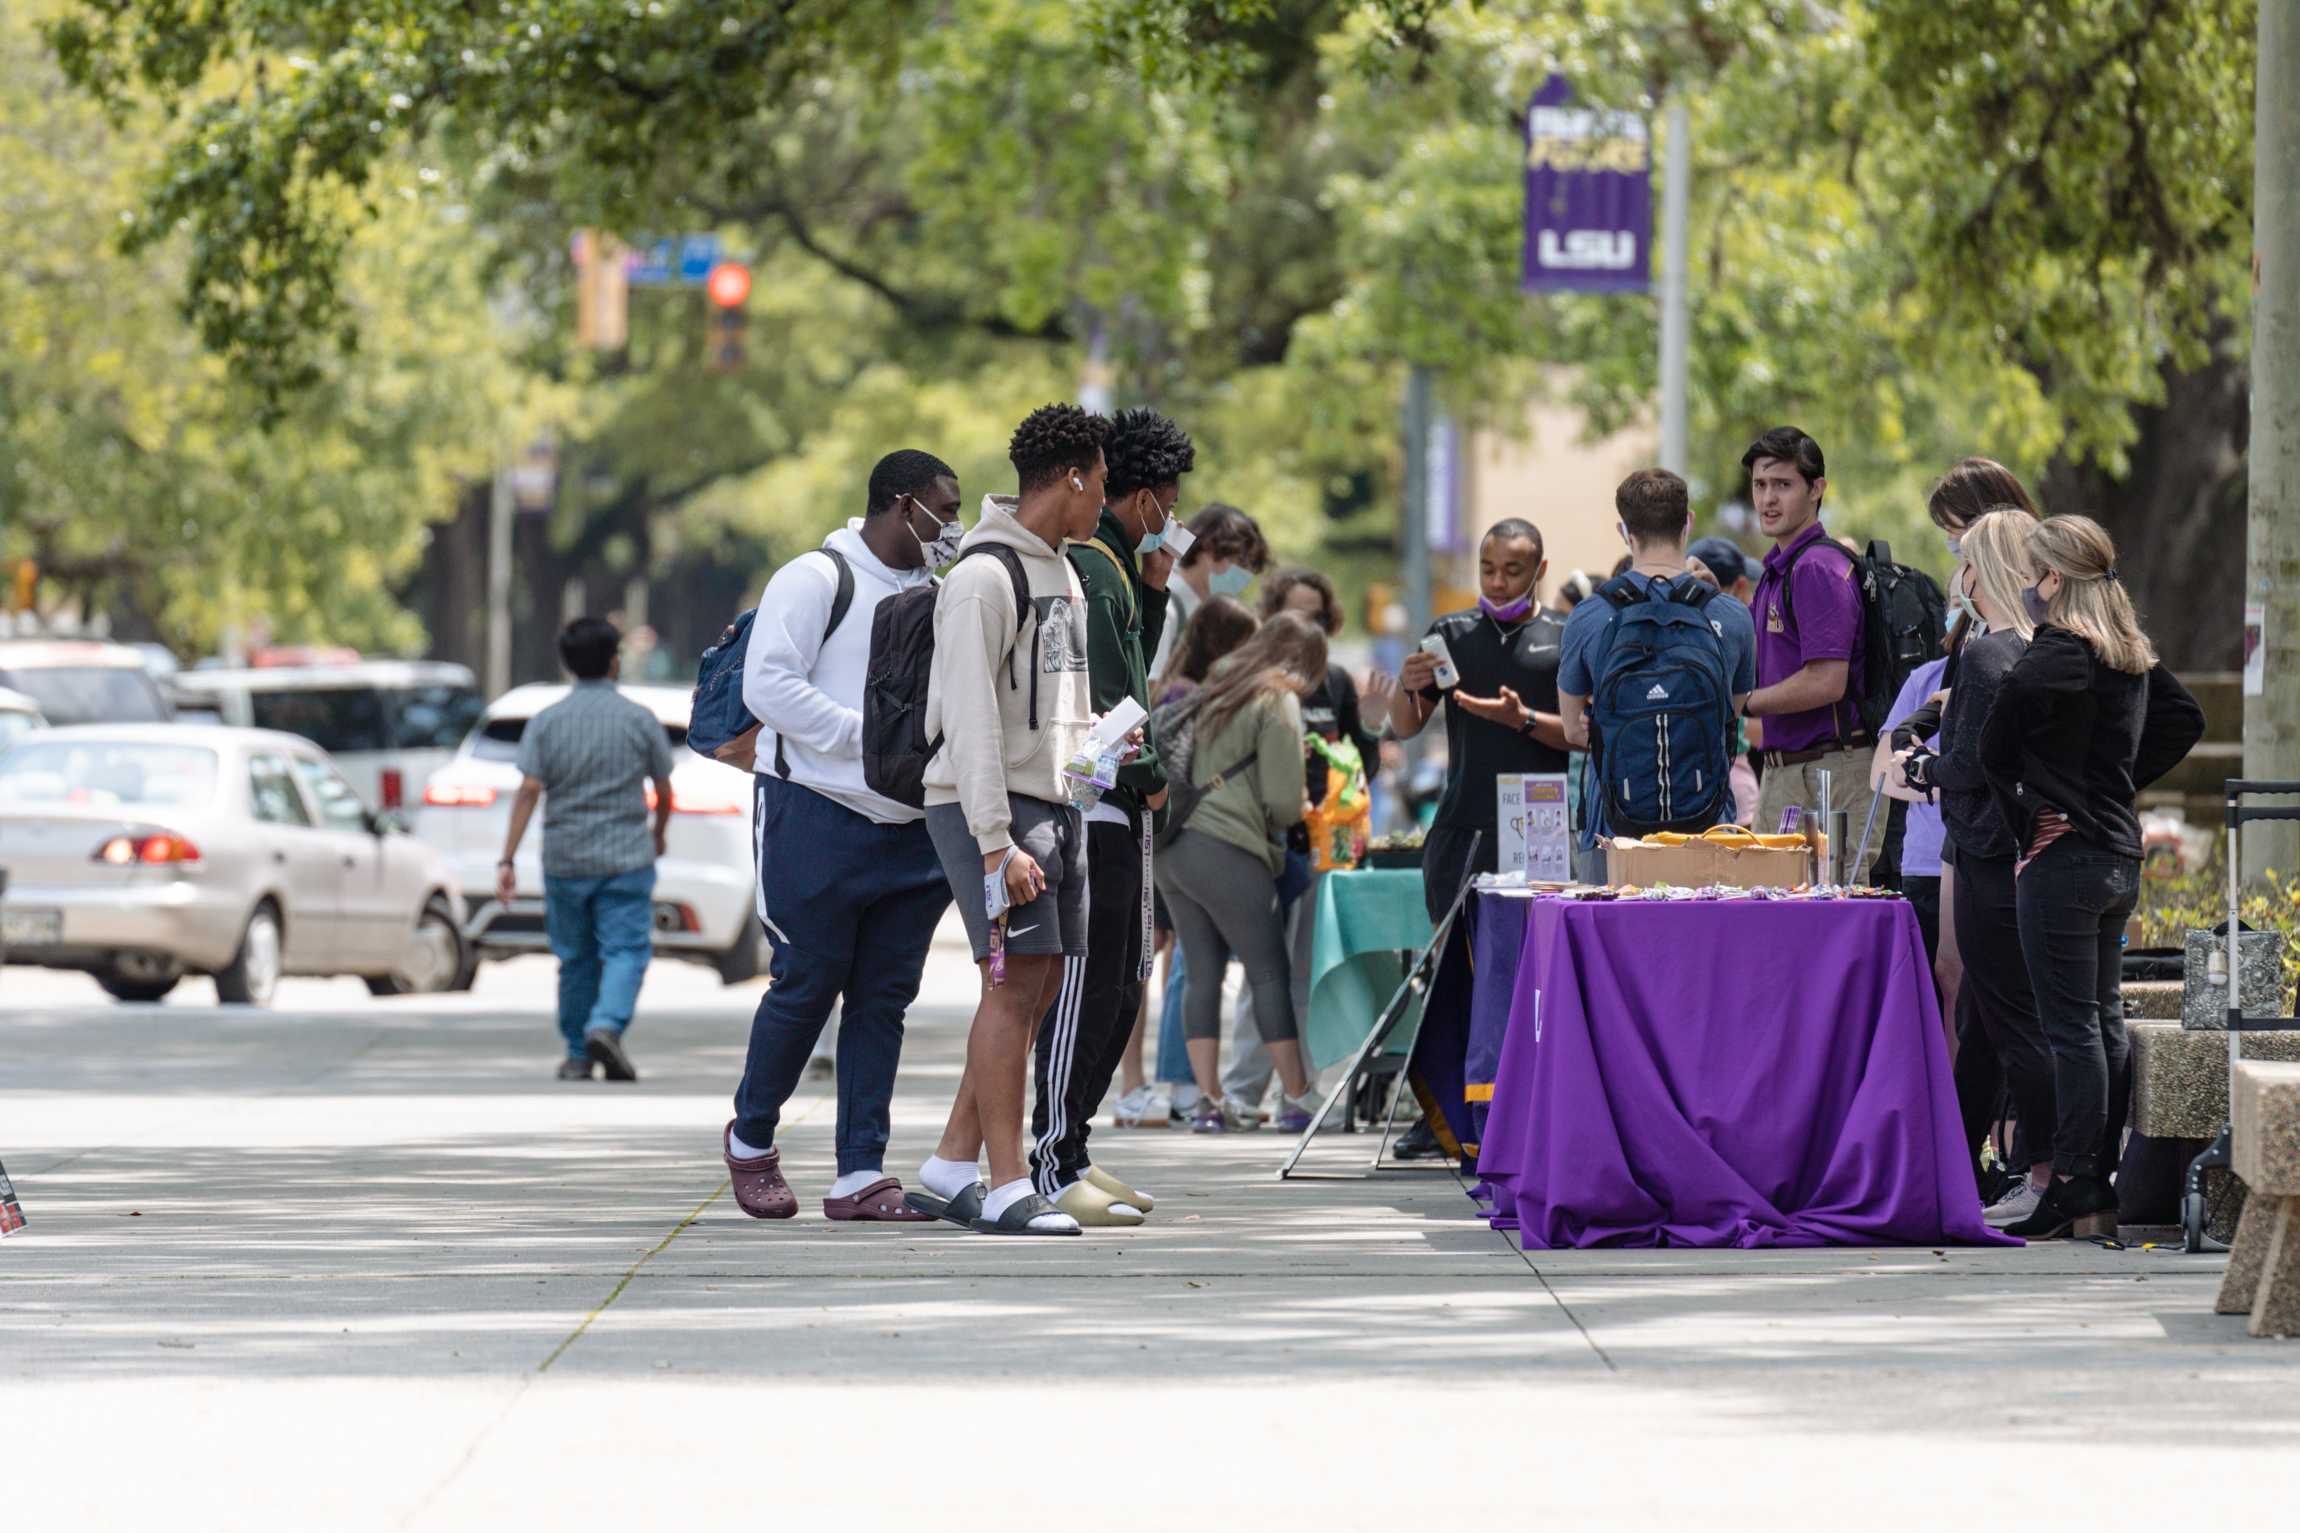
[
  {"x": 849, "y": 886},
  {"x": 1008, "y": 696}
]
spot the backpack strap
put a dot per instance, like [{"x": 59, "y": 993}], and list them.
[
  {"x": 1096, "y": 543},
  {"x": 842, "y": 597},
  {"x": 1021, "y": 581},
  {"x": 1789, "y": 586}
]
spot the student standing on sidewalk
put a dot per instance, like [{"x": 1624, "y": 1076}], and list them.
[
  {"x": 2086, "y": 719},
  {"x": 1809, "y": 640},
  {"x": 1009, "y": 698},
  {"x": 1078, "y": 1049},
  {"x": 589, "y": 758},
  {"x": 1220, "y": 872},
  {"x": 849, "y": 886}
]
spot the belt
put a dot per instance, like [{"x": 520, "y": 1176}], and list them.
[{"x": 1799, "y": 758}]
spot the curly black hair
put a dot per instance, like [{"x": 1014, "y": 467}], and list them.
[
  {"x": 1146, "y": 451},
  {"x": 1055, "y": 440}
]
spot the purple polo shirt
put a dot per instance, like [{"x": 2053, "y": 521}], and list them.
[{"x": 1828, "y": 627}]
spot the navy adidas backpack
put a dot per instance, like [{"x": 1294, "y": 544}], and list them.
[
  {"x": 1661, "y": 710},
  {"x": 718, "y": 725}
]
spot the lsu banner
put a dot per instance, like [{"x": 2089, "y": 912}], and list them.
[{"x": 1588, "y": 196}]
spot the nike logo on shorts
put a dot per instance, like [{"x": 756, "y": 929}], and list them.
[{"x": 1024, "y": 931}]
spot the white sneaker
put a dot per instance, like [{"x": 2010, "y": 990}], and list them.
[
  {"x": 2015, "y": 1205},
  {"x": 1140, "y": 1108}
]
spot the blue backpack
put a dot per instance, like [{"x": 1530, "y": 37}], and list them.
[
  {"x": 718, "y": 725},
  {"x": 1661, "y": 710}
]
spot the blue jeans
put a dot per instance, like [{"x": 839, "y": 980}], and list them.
[
  {"x": 1173, "y": 1057},
  {"x": 850, "y": 907},
  {"x": 603, "y": 933}
]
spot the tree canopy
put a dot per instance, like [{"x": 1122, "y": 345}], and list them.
[{"x": 1917, "y": 230}]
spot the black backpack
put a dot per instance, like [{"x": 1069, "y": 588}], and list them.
[
  {"x": 895, "y": 747},
  {"x": 1904, "y": 618}
]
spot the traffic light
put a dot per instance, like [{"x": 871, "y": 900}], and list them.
[{"x": 729, "y": 287}]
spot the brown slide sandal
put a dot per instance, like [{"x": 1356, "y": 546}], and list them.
[{"x": 879, "y": 1203}]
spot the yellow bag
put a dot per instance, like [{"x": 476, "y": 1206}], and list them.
[{"x": 1342, "y": 823}]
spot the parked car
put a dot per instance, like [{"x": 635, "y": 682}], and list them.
[
  {"x": 705, "y": 909},
  {"x": 19, "y": 716},
  {"x": 142, "y": 853},
  {"x": 389, "y": 724},
  {"x": 83, "y": 681}
]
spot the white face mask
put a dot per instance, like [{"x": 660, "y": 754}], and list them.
[
  {"x": 1964, "y": 600},
  {"x": 943, "y": 547}
]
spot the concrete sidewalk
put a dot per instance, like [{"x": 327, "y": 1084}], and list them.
[{"x": 364, "y": 1265}]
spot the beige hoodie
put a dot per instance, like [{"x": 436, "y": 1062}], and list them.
[{"x": 989, "y": 749}]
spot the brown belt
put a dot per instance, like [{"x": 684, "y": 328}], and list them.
[{"x": 1799, "y": 758}]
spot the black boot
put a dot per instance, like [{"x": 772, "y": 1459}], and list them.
[{"x": 2082, "y": 1206}]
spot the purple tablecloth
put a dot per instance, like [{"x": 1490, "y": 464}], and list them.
[{"x": 1726, "y": 1073}]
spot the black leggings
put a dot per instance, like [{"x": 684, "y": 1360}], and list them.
[{"x": 1996, "y": 987}]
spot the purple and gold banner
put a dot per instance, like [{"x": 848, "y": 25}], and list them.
[{"x": 1588, "y": 196}]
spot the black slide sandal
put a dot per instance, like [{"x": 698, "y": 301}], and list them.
[
  {"x": 1019, "y": 1213},
  {"x": 962, "y": 1210}
]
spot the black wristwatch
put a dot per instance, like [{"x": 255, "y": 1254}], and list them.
[{"x": 1526, "y": 728}]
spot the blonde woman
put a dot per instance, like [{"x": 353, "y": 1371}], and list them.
[
  {"x": 2086, "y": 719},
  {"x": 1220, "y": 872},
  {"x": 1985, "y": 591}
]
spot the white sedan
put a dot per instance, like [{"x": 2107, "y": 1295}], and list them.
[
  {"x": 705, "y": 907},
  {"x": 139, "y": 853}
]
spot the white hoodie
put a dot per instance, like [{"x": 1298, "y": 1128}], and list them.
[
  {"x": 980, "y": 704},
  {"x": 807, "y": 692}
]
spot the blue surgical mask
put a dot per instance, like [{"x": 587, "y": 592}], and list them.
[
  {"x": 1151, "y": 542},
  {"x": 1974, "y": 622},
  {"x": 2032, "y": 599},
  {"x": 1956, "y": 545},
  {"x": 1230, "y": 582}
]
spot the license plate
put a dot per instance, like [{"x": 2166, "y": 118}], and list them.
[{"x": 31, "y": 928}]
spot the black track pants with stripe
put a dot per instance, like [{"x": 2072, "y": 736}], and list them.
[{"x": 1083, "y": 1035}]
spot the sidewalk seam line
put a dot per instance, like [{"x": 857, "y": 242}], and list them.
[{"x": 630, "y": 1273}]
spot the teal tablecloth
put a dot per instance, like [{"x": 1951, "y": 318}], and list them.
[{"x": 1365, "y": 920}]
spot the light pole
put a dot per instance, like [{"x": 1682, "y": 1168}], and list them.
[{"x": 2272, "y": 546}]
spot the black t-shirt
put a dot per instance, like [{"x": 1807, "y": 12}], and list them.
[
  {"x": 1332, "y": 711},
  {"x": 1491, "y": 656}
]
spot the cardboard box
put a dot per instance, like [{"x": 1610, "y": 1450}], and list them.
[{"x": 1698, "y": 863}]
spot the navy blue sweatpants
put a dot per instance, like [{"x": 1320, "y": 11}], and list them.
[{"x": 850, "y": 908}]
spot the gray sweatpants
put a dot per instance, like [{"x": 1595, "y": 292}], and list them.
[{"x": 1224, "y": 901}]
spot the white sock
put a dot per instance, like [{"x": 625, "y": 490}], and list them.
[
  {"x": 947, "y": 1178},
  {"x": 741, "y": 1151},
  {"x": 1003, "y": 1198},
  {"x": 853, "y": 1182}
]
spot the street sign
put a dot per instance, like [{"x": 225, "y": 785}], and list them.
[
  {"x": 683, "y": 261},
  {"x": 1588, "y": 196}
]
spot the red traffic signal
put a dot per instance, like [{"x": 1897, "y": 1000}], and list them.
[{"x": 729, "y": 284}]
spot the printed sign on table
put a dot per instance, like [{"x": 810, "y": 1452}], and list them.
[
  {"x": 1530, "y": 833},
  {"x": 11, "y": 1211}
]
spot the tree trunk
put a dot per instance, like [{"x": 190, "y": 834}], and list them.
[{"x": 2178, "y": 516}]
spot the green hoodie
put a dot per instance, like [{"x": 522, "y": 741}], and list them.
[{"x": 1124, "y": 621}]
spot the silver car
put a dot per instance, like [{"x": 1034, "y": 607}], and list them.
[{"x": 142, "y": 853}]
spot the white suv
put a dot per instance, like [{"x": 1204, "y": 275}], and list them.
[{"x": 705, "y": 908}]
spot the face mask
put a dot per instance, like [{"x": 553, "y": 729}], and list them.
[
  {"x": 1972, "y": 614},
  {"x": 1513, "y": 612},
  {"x": 1230, "y": 582},
  {"x": 2032, "y": 599},
  {"x": 943, "y": 546},
  {"x": 1153, "y": 541},
  {"x": 1956, "y": 545}
]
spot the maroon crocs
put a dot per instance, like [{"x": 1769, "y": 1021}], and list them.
[
  {"x": 879, "y": 1203},
  {"x": 760, "y": 1190}
]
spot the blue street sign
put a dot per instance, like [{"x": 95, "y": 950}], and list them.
[{"x": 685, "y": 261}]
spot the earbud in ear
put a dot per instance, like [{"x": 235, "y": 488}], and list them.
[{"x": 1077, "y": 484}]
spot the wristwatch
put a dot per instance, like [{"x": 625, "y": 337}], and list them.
[{"x": 1526, "y": 728}]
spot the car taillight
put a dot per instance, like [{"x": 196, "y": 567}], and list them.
[
  {"x": 699, "y": 803},
  {"x": 441, "y": 795},
  {"x": 122, "y": 851}
]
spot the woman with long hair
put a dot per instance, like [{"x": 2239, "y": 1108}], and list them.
[
  {"x": 1220, "y": 872},
  {"x": 2086, "y": 719},
  {"x": 2002, "y": 1040},
  {"x": 1214, "y": 631}
]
